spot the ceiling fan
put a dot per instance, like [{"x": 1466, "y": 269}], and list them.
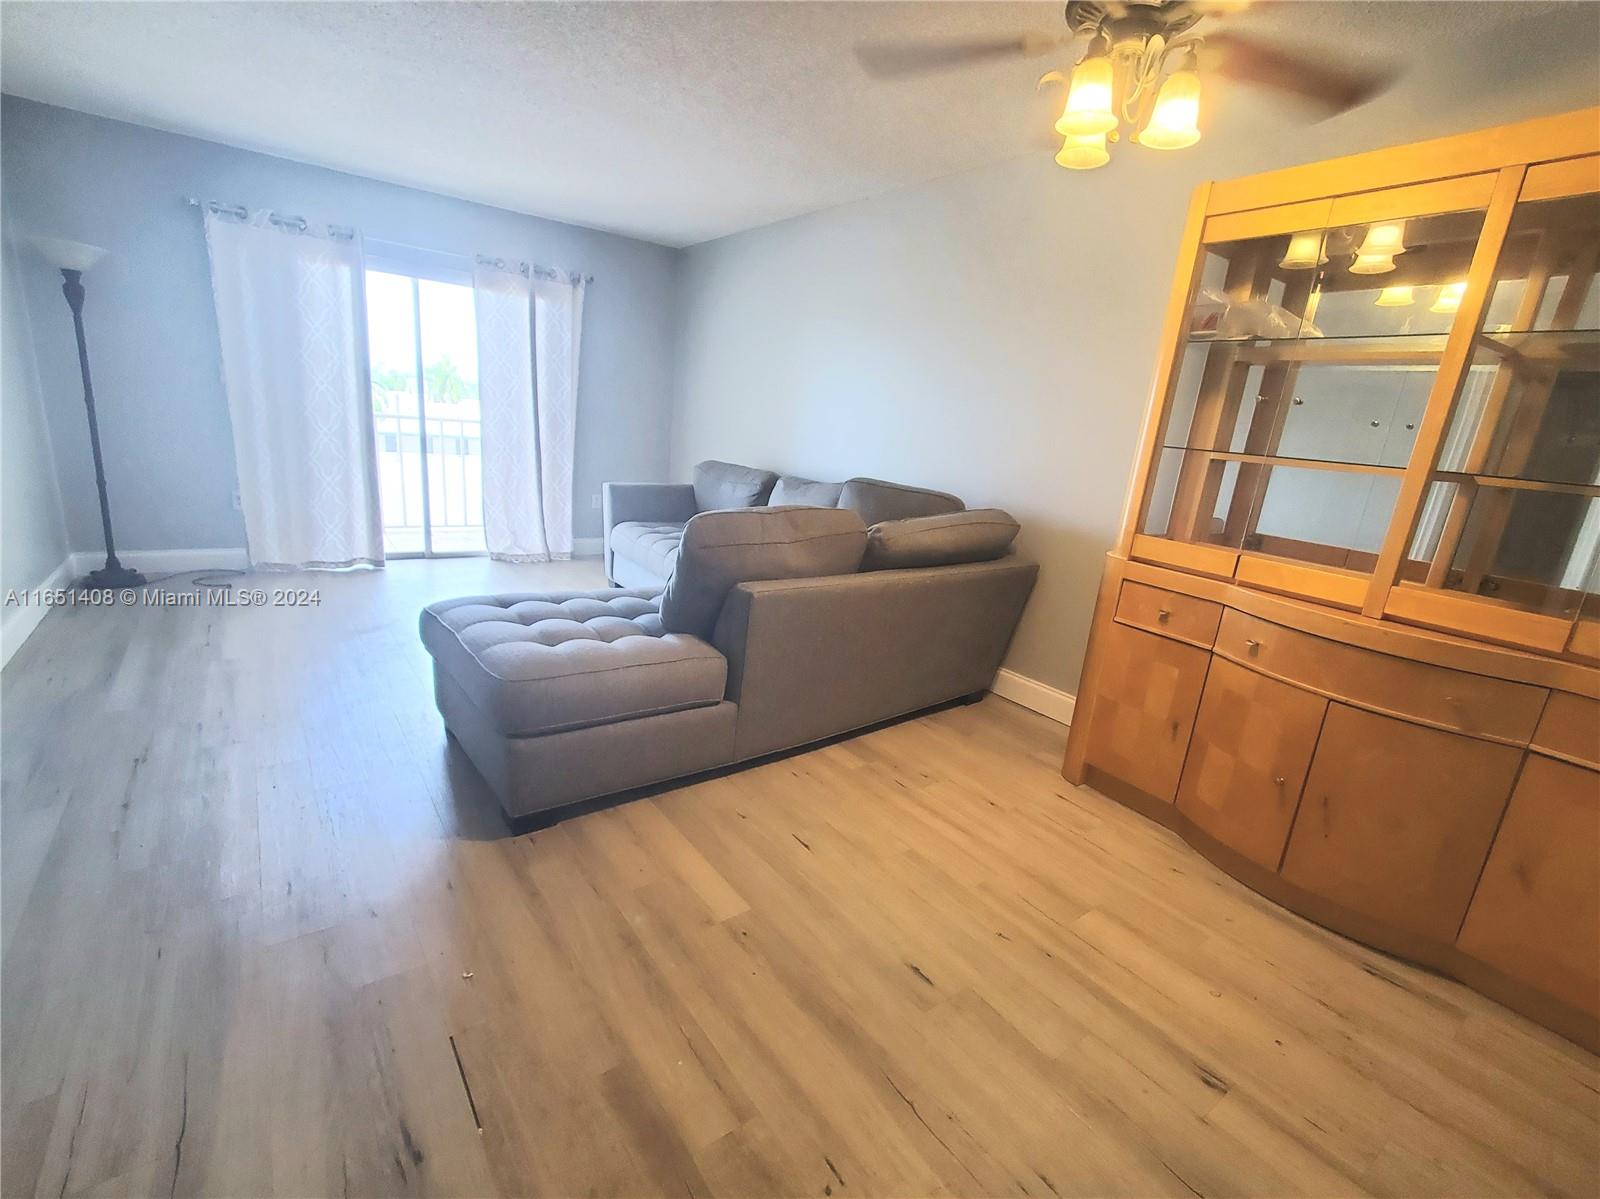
[{"x": 1142, "y": 69}]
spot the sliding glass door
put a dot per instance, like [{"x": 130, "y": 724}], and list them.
[{"x": 423, "y": 342}]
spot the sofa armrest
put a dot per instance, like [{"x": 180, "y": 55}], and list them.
[
  {"x": 810, "y": 658},
  {"x": 665, "y": 502}
]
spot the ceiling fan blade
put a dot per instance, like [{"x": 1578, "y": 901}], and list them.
[
  {"x": 1329, "y": 89},
  {"x": 896, "y": 60}
]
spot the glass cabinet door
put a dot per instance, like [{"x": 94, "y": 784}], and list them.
[
  {"x": 1511, "y": 515},
  {"x": 1313, "y": 339}
]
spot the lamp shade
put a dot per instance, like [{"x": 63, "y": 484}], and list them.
[
  {"x": 1305, "y": 251},
  {"x": 1449, "y": 298},
  {"x": 1088, "y": 109},
  {"x": 1083, "y": 152},
  {"x": 1387, "y": 239},
  {"x": 1399, "y": 295},
  {"x": 1174, "y": 123},
  {"x": 68, "y": 255},
  {"x": 1372, "y": 264}
]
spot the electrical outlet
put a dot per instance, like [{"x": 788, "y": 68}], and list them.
[
  {"x": 594, "y": 501},
  {"x": 238, "y": 501}
]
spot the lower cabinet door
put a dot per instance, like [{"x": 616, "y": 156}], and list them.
[
  {"x": 1396, "y": 820},
  {"x": 1536, "y": 913},
  {"x": 1144, "y": 709},
  {"x": 1248, "y": 759}
]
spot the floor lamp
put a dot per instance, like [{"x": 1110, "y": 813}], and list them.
[{"x": 72, "y": 258}]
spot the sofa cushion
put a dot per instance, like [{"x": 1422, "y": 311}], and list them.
[
  {"x": 792, "y": 489},
  {"x": 540, "y": 663},
  {"x": 650, "y": 544},
  {"x": 721, "y": 549},
  {"x": 877, "y": 501},
  {"x": 975, "y": 536},
  {"x": 720, "y": 485}
]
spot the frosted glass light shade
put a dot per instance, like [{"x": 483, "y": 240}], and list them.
[
  {"x": 1174, "y": 122},
  {"x": 1387, "y": 239},
  {"x": 68, "y": 255},
  {"x": 1372, "y": 264},
  {"x": 1400, "y": 295},
  {"x": 1304, "y": 252},
  {"x": 1089, "y": 106},
  {"x": 1083, "y": 152},
  {"x": 1449, "y": 298}
]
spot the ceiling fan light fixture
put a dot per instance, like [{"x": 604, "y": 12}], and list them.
[
  {"x": 1448, "y": 300},
  {"x": 1083, "y": 151},
  {"x": 1396, "y": 295},
  {"x": 1089, "y": 100},
  {"x": 1174, "y": 122},
  {"x": 1305, "y": 252}
]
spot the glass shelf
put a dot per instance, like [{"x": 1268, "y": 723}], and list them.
[
  {"x": 1394, "y": 277},
  {"x": 1508, "y": 483},
  {"x": 1529, "y": 411},
  {"x": 1316, "y": 512},
  {"x": 1321, "y": 339},
  {"x": 1532, "y": 549},
  {"x": 1358, "y": 401}
]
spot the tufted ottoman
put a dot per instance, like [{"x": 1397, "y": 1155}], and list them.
[{"x": 562, "y": 696}]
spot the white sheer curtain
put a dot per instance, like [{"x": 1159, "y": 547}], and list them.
[
  {"x": 557, "y": 340},
  {"x": 529, "y": 338},
  {"x": 291, "y": 312}
]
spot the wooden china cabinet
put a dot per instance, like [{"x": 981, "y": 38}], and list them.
[{"x": 1347, "y": 641}]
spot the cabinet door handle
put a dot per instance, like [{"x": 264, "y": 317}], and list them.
[
  {"x": 1163, "y": 615},
  {"x": 1280, "y": 780}
]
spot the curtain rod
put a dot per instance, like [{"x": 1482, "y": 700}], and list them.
[
  {"x": 520, "y": 267},
  {"x": 298, "y": 223}
]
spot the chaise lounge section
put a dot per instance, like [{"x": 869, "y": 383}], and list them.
[{"x": 779, "y": 626}]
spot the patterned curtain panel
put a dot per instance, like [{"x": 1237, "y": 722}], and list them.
[
  {"x": 291, "y": 312},
  {"x": 513, "y": 517},
  {"x": 529, "y": 332},
  {"x": 557, "y": 340}
]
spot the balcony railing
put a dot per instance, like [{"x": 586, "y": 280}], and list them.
[{"x": 454, "y": 507}]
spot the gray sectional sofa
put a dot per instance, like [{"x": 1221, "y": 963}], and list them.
[
  {"x": 644, "y": 522},
  {"x": 774, "y": 627}
]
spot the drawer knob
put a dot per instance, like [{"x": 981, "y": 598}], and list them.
[
  {"x": 1163, "y": 615},
  {"x": 1280, "y": 780},
  {"x": 1251, "y": 644}
]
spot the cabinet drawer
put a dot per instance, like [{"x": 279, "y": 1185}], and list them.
[
  {"x": 1570, "y": 728},
  {"x": 1452, "y": 699},
  {"x": 1170, "y": 613},
  {"x": 1144, "y": 709},
  {"x": 1396, "y": 820}
]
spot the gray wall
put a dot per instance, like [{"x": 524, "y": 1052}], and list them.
[
  {"x": 33, "y": 534},
  {"x": 994, "y": 333},
  {"x": 152, "y": 329}
]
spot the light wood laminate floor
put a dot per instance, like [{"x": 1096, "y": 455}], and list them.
[{"x": 261, "y": 924}]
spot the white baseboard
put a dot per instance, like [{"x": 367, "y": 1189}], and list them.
[
  {"x": 166, "y": 562},
  {"x": 588, "y": 547},
  {"x": 1034, "y": 695},
  {"x": 17, "y": 621}
]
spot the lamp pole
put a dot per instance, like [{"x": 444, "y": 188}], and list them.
[{"x": 113, "y": 574}]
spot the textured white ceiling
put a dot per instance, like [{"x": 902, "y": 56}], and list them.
[{"x": 675, "y": 122}]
